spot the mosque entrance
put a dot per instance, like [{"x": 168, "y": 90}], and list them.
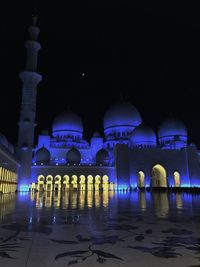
[{"x": 159, "y": 176}]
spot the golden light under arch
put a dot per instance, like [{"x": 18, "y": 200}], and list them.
[
  {"x": 177, "y": 179},
  {"x": 159, "y": 176},
  {"x": 141, "y": 179}
]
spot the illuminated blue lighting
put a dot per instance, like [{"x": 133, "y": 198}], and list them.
[
  {"x": 122, "y": 114},
  {"x": 188, "y": 185},
  {"x": 122, "y": 187},
  {"x": 172, "y": 127},
  {"x": 30, "y": 220},
  {"x": 24, "y": 188},
  {"x": 172, "y": 133},
  {"x": 143, "y": 135},
  {"x": 66, "y": 123}
]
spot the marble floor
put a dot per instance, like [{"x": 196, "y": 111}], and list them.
[{"x": 100, "y": 229}]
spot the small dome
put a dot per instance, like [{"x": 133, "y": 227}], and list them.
[
  {"x": 122, "y": 114},
  {"x": 96, "y": 134},
  {"x": 3, "y": 140},
  {"x": 172, "y": 134},
  {"x": 143, "y": 135},
  {"x": 102, "y": 157},
  {"x": 67, "y": 121},
  {"x": 73, "y": 156},
  {"x": 11, "y": 148},
  {"x": 172, "y": 127},
  {"x": 43, "y": 155}
]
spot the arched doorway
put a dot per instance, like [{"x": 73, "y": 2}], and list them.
[
  {"x": 141, "y": 177},
  {"x": 105, "y": 182},
  {"x": 177, "y": 181},
  {"x": 49, "y": 183},
  {"x": 57, "y": 183},
  {"x": 82, "y": 182},
  {"x": 97, "y": 182},
  {"x": 41, "y": 180},
  {"x": 74, "y": 182},
  {"x": 159, "y": 176},
  {"x": 66, "y": 182},
  {"x": 90, "y": 182}
]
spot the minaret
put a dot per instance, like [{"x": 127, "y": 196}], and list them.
[{"x": 30, "y": 79}]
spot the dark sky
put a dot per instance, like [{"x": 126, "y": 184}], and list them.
[{"x": 148, "y": 53}]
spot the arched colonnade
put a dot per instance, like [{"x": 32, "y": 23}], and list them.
[{"x": 78, "y": 182}]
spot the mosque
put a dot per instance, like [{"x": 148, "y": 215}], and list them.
[{"x": 129, "y": 155}]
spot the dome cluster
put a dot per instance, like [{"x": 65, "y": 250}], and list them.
[{"x": 122, "y": 124}]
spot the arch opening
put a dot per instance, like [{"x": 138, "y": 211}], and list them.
[
  {"x": 90, "y": 182},
  {"x": 105, "y": 184},
  {"x": 141, "y": 179},
  {"x": 177, "y": 177},
  {"x": 66, "y": 182},
  {"x": 74, "y": 182},
  {"x": 57, "y": 183},
  {"x": 97, "y": 182},
  {"x": 41, "y": 180},
  {"x": 49, "y": 183},
  {"x": 159, "y": 176},
  {"x": 82, "y": 182}
]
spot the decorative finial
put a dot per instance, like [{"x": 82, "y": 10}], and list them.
[{"x": 35, "y": 17}]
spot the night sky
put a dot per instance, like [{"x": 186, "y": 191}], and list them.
[{"x": 148, "y": 54}]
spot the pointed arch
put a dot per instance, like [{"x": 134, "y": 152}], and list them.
[
  {"x": 66, "y": 179},
  {"x": 141, "y": 179},
  {"x": 57, "y": 178},
  {"x": 49, "y": 178},
  {"x": 74, "y": 181},
  {"x": 159, "y": 176},
  {"x": 177, "y": 179},
  {"x": 41, "y": 178}
]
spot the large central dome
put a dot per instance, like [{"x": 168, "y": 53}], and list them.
[
  {"x": 122, "y": 114},
  {"x": 67, "y": 122}
]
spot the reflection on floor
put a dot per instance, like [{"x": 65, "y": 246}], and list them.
[
  {"x": 72, "y": 199},
  {"x": 7, "y": 204},
  {"x": 92, "y": 228}
]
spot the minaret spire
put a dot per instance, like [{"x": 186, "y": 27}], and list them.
[{"x": 30, "y": 78}]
